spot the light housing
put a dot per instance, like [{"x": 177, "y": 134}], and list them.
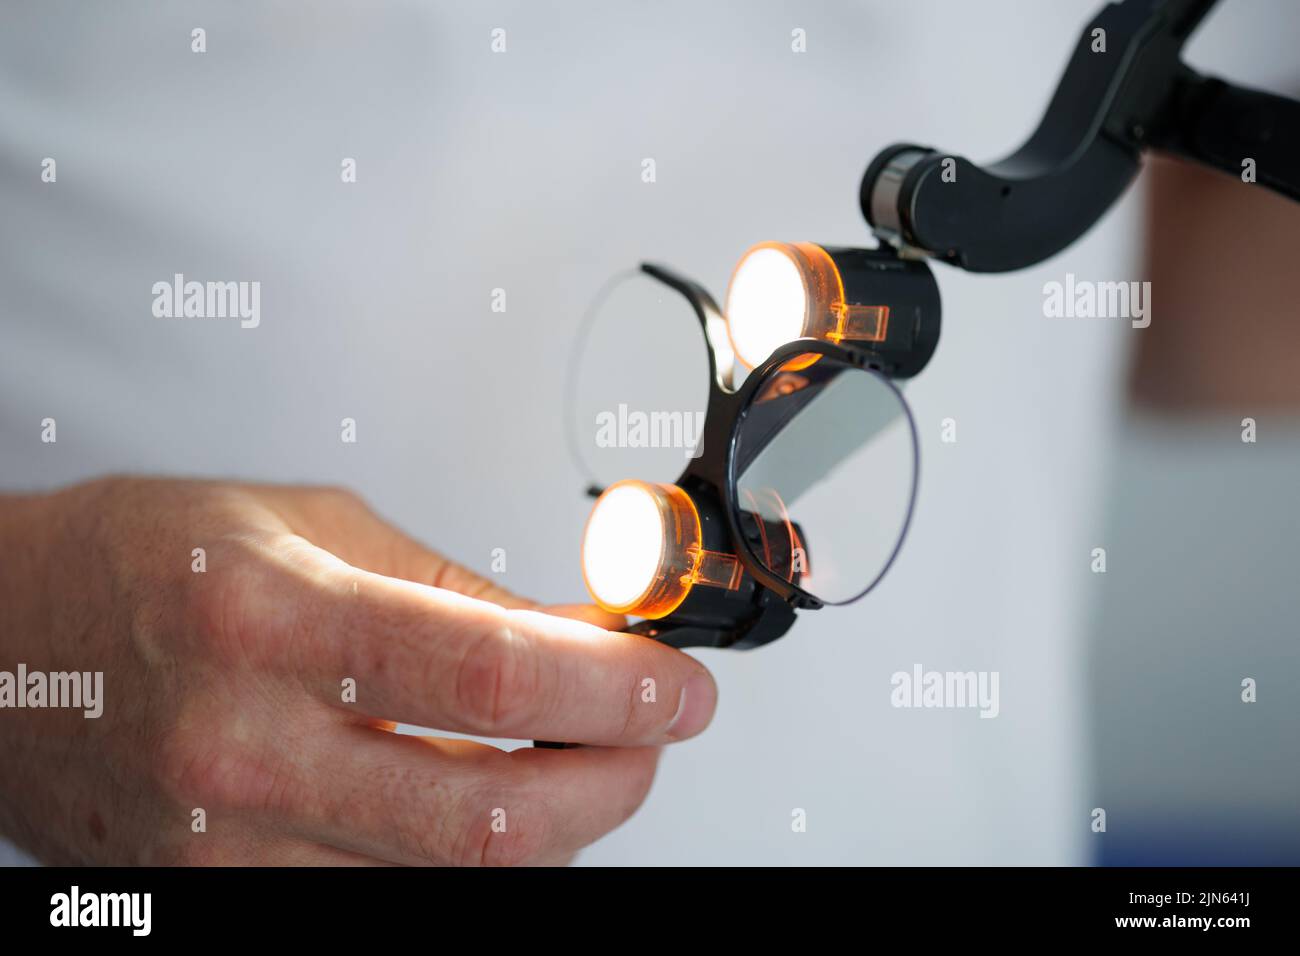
[
  {"x": 642, "y": 550},
  {"x": 861, "y": 298}
]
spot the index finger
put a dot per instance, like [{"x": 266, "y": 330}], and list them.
[{"x": 430, "y": 657}]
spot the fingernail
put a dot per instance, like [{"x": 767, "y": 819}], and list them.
[{"x": 694, "y": 707}]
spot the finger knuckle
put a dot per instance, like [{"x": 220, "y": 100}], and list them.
[
  {"x": 197, "y": 773},
  {"x": 219, "y": 606},
  {"x": 184, "y": 769},
  {"x": 496, "y": 681},
  {"x": 638, "y": 716},
  {"x": 410, "y": 811},
  {"x": 502, "y": 834}
]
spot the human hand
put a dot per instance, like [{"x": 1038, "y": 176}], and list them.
[{"x": 225, "y": 691}]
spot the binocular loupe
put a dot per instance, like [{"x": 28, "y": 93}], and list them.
[{"x": 800, "y": 476}]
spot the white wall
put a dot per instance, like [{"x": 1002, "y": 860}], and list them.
[{"x": 522, "y": 171}]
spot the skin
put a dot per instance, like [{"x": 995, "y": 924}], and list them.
[
  {"x": 223, "y": 689},
  {"x": 1220, "y": 255}
]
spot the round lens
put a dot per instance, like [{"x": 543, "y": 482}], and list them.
[
  {"x": 639, "y": 383},
  {"x": 824, "y": 475}
]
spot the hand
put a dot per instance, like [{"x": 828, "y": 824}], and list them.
[{"x": 225, "y": 690}]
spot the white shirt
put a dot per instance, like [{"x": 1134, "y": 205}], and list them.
[{"x": 521, "y": 170}]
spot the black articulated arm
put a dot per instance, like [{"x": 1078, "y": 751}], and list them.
[
  {"x": 1125, "y": 90},
  {"x": 1225, "y": 126}
]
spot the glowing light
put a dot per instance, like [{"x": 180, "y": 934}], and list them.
[
  {"x": 767, "y": 303},
  {"x": 623, "y": 545},
  {"x": 782, "y": 291},
  {"x": 641, "y": 552}
]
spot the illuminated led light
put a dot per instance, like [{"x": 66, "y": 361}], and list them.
[
  {"x": 622, "y": 545},
  {"x": 782, "y": 291},
  {"x": 768, "y": 301},
  {"x": 641, "y": 550}
]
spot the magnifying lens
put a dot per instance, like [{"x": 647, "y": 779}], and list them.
[
  {"x": 799, "y": 478},
  {"x": 802, "y": 474},
  {"x": 796, "y": 485}
]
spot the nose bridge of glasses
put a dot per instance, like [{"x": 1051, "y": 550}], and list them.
[
  {"x": 780, "y": 396},
  {"x": 769, "y": 411},
  {"x": 739, "y": 601}
]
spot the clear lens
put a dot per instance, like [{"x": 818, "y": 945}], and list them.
[
  {"x": 639, "y": 383},
  {"x": 825, "y": 475}
]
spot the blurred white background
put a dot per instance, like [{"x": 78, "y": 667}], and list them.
[{"x": 522, "y": 171}]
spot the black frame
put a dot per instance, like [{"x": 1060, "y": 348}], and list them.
[
  {"x": 725, "y": 414},
  {"x": 854, "y": 358},
  {"x": 1107, "y": 110}
]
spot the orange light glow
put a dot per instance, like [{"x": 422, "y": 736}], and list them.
[
  {"x": 781, "y": 291},
  {"x": 642, "y": 553}
]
